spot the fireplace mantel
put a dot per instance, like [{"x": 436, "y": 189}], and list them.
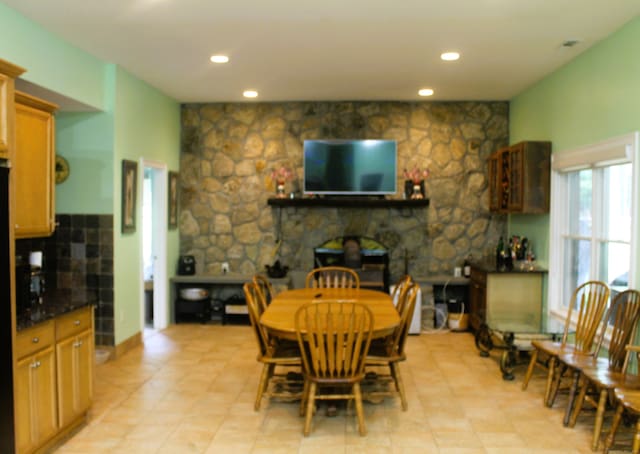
[{"x": 348, "y": 202}]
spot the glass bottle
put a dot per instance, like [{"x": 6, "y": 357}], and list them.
[{"x": 466, "y": 266}]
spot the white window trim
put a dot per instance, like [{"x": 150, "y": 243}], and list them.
[{"x": 616, "y": 150}]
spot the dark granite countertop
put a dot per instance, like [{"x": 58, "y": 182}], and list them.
[
  {"x": 518, "y": 267},
  {"x": 55, "y": 303}
]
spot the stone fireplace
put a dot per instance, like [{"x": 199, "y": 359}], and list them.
[
  {"x": 230, "y": 149},
  {"x": 368, "y": 257}
]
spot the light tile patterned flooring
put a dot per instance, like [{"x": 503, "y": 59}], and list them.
[{"x": 191, "y": 388}]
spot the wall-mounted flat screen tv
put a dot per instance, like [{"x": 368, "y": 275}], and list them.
[{"x": 350, "y": 167}]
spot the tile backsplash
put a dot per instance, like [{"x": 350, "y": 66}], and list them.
[{"x": 79, "y": 256}]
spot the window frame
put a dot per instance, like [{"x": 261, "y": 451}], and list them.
[{"x": 617, "y": 150}]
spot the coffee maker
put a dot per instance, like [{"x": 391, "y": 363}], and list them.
[{"x": 30, "y": 284}]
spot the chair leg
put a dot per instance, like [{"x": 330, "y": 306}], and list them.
[
  {"x": 579, "y": 403},
  {"x": 532, "y": 365},
  {"x": 572, "y": 398},
  {"x": 550, "y": 380},
  {"x": 262, "y": 386},
  {"x": 359, "y": 409},
  {"x": 617, "y": 417},
  {"x": 311, "y": 398},
  {"x": 602, "y": 403},
  {"x": 304, "y": 397},
  {"x": 636, "y": 439},
  {"x": 395, "y": 368}
]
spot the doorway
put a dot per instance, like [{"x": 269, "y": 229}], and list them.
[{"x": 153, "y": 307}]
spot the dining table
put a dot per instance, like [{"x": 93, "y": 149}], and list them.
[{"x": 279, "y": 317}]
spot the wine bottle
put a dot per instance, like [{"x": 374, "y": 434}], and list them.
[{"x": 466, "y": 266}]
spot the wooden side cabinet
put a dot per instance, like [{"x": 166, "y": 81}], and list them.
[
  {"x": 36, "y": 418},
  {"x": 519, "y": 178},
  {"x": 514, "y": 298},
  {"x": 34, "y": 167}
]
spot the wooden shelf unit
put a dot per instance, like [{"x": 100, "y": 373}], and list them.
[{"x": 348, "y": 202}]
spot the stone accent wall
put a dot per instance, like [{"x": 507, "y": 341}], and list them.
[{"x": 229, "y": 150}]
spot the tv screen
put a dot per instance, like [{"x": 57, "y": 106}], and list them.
[{"x": 356, "y": 167}]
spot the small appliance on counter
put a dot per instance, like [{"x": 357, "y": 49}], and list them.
[
  {"x": 30, "y": 285},
  {"x": 186, "y": 265}
]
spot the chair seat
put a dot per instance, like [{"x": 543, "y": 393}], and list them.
[
  {"x": 578, "y": 360},
  {"x": 630, "y": 398},
  {"x": 610, "y": 379},
  {"x": 553, "y": 348}
]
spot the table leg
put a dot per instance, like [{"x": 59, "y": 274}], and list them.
[
  {"x": 508, "y": 359},
  {"x": 483, "y": 340}
]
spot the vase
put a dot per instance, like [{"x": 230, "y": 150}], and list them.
[
  {"x": 417, "y": 191},
  {"x": 280, "y": 193}
]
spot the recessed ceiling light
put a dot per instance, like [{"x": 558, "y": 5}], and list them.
[
  {"x": 450, "y": 56},
  {"x": 219, "y": 58},
  {"x": 425, "y": 92},
  {"x": 250, "y": 94}
]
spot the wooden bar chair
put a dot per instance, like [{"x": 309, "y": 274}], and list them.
[
  {"x": 589, "y": 300},
  {"x": 334, "y": 338},
  {"x": 272, "y": 354},
  {"x": 332, "y": 277},
  {"x": 390, "y": 352}
]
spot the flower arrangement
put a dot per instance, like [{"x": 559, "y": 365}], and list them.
[
  {"x": 281, "y": 175},
  {"x": 416, "y": 175}
]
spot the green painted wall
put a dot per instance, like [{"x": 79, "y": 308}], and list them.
[
  {"x": 594, "y": 97},
  {"x": 147, "y": 125},
  {"x": 132, "y": 121},
  {"x": 50, "y": 61},
  {"x": 85, "y": 140}
]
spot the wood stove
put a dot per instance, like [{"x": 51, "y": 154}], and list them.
[{"x": 373, "y": 266}]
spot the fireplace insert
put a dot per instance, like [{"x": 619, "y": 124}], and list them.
[{"x": 373, "y": 263}]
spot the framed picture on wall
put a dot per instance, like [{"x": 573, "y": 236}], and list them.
[
  {"x": 129, "y": 183},
  {"x": 173, "y": 200}
]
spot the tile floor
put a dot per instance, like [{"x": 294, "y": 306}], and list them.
[{"x": 190, "y": 389}]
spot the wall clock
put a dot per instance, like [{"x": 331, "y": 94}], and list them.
[{"x": 62, "y": 169}]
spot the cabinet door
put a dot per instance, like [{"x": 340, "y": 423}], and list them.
[
  {"x": 494, "y": 183},
  {"x": 5, "y": 89},
  {"x": 75, "y": 376},
  {"x": 516, "y": 171},
  {"x": 34, "y": 171},
  {"x": 36, "y": 412}
]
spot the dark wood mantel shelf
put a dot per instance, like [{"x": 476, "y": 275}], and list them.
[{"x": 348, "y": 202}]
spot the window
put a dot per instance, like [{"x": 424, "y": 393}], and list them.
[{"x": 593, "y": 219}]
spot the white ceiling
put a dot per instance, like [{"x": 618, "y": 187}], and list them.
[{"x": 333, "y": 49}]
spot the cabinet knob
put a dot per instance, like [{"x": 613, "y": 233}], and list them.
[
  {"x": 35, "y": 340},
  {"x": 76, "y": 322}
]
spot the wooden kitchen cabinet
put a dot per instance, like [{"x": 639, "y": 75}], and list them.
[
  {"x": 506, "y": 297},
  {"x": 36, "y": 412},
  {"x": 74, "y": 357},
  {"x": 34, "y": 167},
  {"x": 53, "y": 379},
  {"x": 8, "y": 73},
  {"x": 519, "y": 178}
]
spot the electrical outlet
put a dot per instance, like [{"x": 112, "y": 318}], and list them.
[{"x": 225, "y": 267}]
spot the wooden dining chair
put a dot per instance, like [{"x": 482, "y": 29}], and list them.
[
  {"x": 628, "y": 402},
  {"x": 334, "y": 338},
  {"x": 272, "y": 353},
  {"x": 332, "y": 277},
  {"x": 399, "y": 290},
  {"x": 391, "y": 351},
  {"x": 598, "y": 377},
  {"x": 266, "y": 289},
  {"x": 589, "y": 300}
]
